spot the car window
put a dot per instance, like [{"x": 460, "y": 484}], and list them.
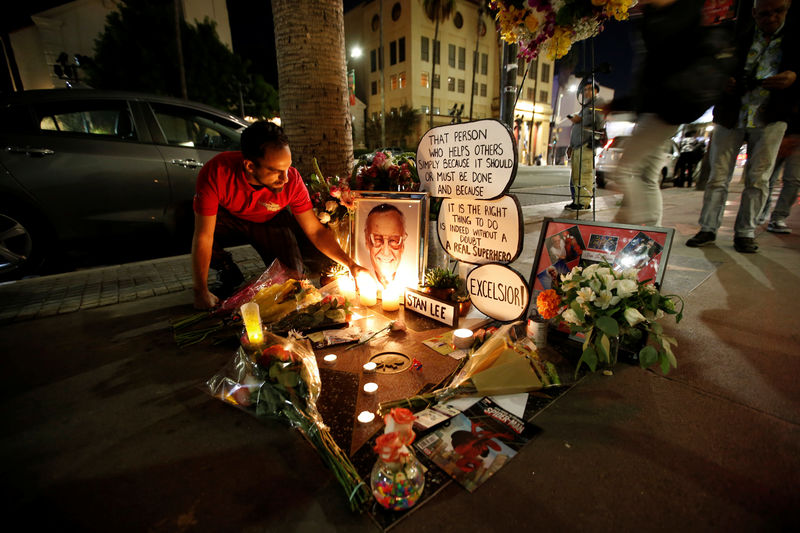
[
  {"x": 192, "y": 128},
  {"x": 107, "y": 118}
]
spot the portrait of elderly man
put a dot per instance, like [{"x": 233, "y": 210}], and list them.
[{"x": 385, "y": 236}]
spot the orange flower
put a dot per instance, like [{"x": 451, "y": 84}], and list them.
[{"x": 547, "y": 303}]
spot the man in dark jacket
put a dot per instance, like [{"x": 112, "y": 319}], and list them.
[{"x": 753, "y": 110}]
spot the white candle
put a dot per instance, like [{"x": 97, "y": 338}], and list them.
[
  {"x": 365, "y": 417},
  {"x": 370, "y": 367},
  {"x": 252, "y": 322},
  {"x": 391, "y": 299},
  {"x": 463, "y": 338},
  {"x": 368, "y": 290},
  {"x": 370, "y": 387},
  {"x": 330, "y": 358},
  {"x": 347, "y": 287}
]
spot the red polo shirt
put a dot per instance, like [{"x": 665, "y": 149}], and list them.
[{"x": 223, "y": 182}]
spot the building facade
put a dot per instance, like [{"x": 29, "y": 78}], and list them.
[{"x": 394, "y": 72}]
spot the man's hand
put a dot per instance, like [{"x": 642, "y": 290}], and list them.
[
  {"x": 204, "y": 299},
  {"x": 779, "y": 81},
  {"x": 356, "y": 269}
]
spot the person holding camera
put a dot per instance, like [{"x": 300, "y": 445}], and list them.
[{"x": 754, "y": 109}]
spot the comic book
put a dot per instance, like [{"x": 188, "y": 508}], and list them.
[{"x": 475, "y": 444}]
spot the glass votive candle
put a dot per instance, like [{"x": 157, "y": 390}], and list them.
[
  {"x": 370, "y": 388},
  {"x": 365, "y": 417},
  {"x": 463, "y": 338},
  {"x": 330, "y": 359},
  {"x": 367, "y": 290}
]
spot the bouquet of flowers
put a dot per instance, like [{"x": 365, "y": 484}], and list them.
[
  {"x": 553, "y": 26},
  {"x": 609, "y": 307},
  {"x": 331, "y": 196},
  {"x": 500, "y": 365},
  {"x": 279, "y": 379},
  {"x": 383, "y": 171}
]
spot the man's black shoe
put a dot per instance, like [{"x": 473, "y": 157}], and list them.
[
  {"x": 229, "y": 278},
  {"x": 572, "y": 206},
  {"x": 701, "y": 239},
  {"x": 745, "y": 245}
]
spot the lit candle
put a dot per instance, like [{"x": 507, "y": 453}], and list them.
[
  {"x": 462, "y": 338},
  {"x": 391, "y": 298},
  {"x": 365, "y": 417},
  {"x": 370, "y": 387},
  {"x": 370, "y": 367},
  {"x": 347, "y": 287},
  {"x": 252, "y": 322},
  {"x": 368, "y": 290},
  {"x": 330, "y": 358}
]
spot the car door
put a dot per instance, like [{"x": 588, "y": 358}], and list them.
[
  {"x": 85, "y": 165},
  {"x": 187, "y": 138}
]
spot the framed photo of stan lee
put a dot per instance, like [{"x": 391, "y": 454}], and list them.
[{"x": 390, "y": 236}]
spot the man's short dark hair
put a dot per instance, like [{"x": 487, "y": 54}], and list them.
[{"x": 261, "y": 135}]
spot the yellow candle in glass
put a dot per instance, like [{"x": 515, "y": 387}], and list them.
[
  {"x": 391, "y": 298},
  {"x": 252, "y": 322}
]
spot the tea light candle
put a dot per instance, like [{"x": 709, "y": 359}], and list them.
[
  {"x": 347, "y": 287},
  {"x": 370, "y": 387},
  {"x": 365, "y": 417},
  {"x": 252, "y": 322},
  {"x": 367, "y": 290},
  {"x": 330, "y": 358},
  {"x": 391, "y": 298},
  {"x": 462, "y": 338},
  {"x": 370, "y": 367}
]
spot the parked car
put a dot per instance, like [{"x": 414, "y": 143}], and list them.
[
  {"x": 608, "y": 158},
  {"x": 99, "y": 167}
]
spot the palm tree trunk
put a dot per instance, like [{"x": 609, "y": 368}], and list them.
[
  {"x": 312, "y": 83},
  {"x": 433, "y": 70}
]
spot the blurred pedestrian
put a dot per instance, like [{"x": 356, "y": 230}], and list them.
[
  {"x": 753, "y": 109},
  {"x": 681, "y": 72},
  {"x": 587, "y": 128},
  {"x": 789, "y": 189}
]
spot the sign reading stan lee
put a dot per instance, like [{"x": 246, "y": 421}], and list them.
[{"x": 474, "y": 160}]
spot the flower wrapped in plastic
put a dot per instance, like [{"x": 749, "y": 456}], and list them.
[
  {"x": 279, "y": 379},
  {"x": 383, "y": 171},
  {"x": 501, "y": 365}
]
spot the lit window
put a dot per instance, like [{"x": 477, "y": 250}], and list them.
[
  {"x": 401, "y": 80},
  {"x": 393, "y": 82},
  {"x": 425, "y": 80}
]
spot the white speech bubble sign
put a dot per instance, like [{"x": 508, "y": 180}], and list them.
[
  {"x": 498, "y": 291},
  {"x": 481, "y": 231},
  {"x": 470, "y": 160}
]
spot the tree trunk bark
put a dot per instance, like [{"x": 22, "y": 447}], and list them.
[{"x": 312, "y": 84}]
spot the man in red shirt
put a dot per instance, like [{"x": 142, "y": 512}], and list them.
[{"x": 242, "y": 195}]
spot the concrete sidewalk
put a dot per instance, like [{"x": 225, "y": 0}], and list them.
[{"x": 108, "y": 429}]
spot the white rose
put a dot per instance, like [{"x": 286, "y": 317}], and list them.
[
  {"x": 633, "y": 316},
  {"x": 590, "y": 270},
  {"x": 331, "y": 205},
  {"x": 631, "y": 273},
  {"x": 571, "y": 316},
  {"x": 602, "y": 272},
  {"x": 324, "y": 217},
  {"x": 625, "y": 287},
  {"x": 608, "y": 279}
]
